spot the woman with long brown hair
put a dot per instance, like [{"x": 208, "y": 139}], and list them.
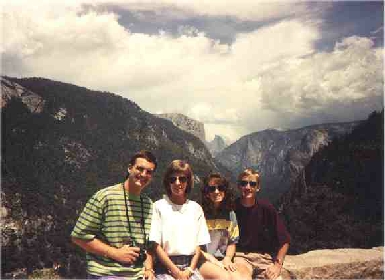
[{"x": 218, "y": 205}]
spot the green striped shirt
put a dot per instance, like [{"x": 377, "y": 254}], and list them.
[{"x": 104, "y": 217}]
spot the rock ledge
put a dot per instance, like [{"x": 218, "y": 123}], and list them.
[{"x": 336, "y": 264}]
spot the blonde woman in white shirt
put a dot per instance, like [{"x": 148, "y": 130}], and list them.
[{"x": 178, "y": 226}]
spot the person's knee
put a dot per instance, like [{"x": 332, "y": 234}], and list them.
[
  {"x": 214, "y": 273},
  {"x": 239, "y": 275},
  {"x": 227, "y": 276},
  {"x": 244, "y": 272}
]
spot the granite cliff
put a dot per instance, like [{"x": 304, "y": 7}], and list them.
[
  {"x": 280, "y": 155},
  {"x": 196, "y": 128},
  {"x": 217, "y": 145},
  {"x": 187, "y": 124}
]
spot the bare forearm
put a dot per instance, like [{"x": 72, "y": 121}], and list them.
[
  {"x": 195, "y": 258},
  {"x": 94, "y": 246},
  {"x": 149, "y": 262},
  {"x": 282, "y": 252},
  {"x": 274, "y": 270},
  {"x": 125, "y": 254},
  {"x": 164, "y": 258},
  {"x": 230, "y": 251}
]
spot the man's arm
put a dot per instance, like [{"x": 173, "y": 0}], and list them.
[
  {"x": 149, "y": 272},
  {"x": 124, "y": 254},
  {"x": 282, "y": 253},
  {"x": 274, "y": 270}
]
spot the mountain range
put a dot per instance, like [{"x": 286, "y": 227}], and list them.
[
  {"x": 61, "y": 143},
  {"x": 279, "y": 156}
]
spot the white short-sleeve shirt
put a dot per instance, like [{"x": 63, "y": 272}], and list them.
[{"x": 179, "y": 229}]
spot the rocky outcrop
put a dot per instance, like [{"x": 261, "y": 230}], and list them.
[
  {"x": 197, "y": 129},
  {"x": 280, "y": 155},
  {"x": 185, "y": 123},
  {"x": 336, "y": 264},
  {"x": 11, "y": 90},
  {"x": 217, "y": 145},
  {"x": 318, "y": 264}
]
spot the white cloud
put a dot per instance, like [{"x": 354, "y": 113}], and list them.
[
  {"x": 351, "y": 71},
  {"x": 212, "y": 114},
  {"x": 270, "y": 77},
  {"x": 257, "y": 10}
]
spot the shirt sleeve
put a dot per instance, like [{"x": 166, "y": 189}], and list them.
[
  {"x": 283, "y": 235},
  {"x": 156, "y": 225},
  {"x": 233, "y": 229},
  {"x": 89, "y": 223},
  {"x": 203, "y": 232}
]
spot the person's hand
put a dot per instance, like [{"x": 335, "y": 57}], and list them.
[
  {"x": 273, "y": 271},
  {"x": 125, "y": 254},
  {"x": 177, "y": 274},
  {"x": 185, "y": 274},
  {"x": 228, "y": 264},
  {"x": 149, "y": 274}
]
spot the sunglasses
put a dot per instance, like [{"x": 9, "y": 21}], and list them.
[
  {"x": 182, "y": 179},
  {"x": 212, "y": 189},
  {"x": 245, "y": 183}
]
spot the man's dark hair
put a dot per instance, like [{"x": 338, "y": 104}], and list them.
[{"x": 147, "y": 155}]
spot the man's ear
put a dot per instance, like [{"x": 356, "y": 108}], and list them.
[
  {"x": 129, "y": 168},
  {"x": 258, "y": 189}
]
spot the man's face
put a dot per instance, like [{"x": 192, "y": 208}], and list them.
[
  {"x": 141, "y": 173},
  {"x": 248, "y": 186}
]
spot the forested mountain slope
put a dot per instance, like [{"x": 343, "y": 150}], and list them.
[
  {"x": 61, "y": 143},
  {"x": 338, "y": 200}
]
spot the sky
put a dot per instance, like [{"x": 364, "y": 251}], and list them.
[{"x": 237, "y": 66}]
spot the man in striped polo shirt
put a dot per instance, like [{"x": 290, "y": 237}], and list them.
[{"x": 114, "y": 225}]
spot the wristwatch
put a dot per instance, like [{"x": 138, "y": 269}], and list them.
[
  {"x": 279, "y": 261},
  {"x": 189, "y": 269}
]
